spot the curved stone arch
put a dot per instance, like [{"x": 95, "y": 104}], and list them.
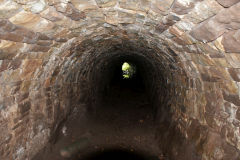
[{"x": 197, "y": 41}]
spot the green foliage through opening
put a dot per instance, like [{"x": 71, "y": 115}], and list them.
[{"x": 128, "y": 70}]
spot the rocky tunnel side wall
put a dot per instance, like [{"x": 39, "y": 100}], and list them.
[{"x": 47, "y": 55}]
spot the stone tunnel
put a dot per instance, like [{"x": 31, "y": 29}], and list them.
[{"x": 60, "y": 77}]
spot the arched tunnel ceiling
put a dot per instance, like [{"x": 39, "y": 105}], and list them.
[{"x": 48, "y": 48}]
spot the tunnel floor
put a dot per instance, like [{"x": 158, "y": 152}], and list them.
[{"x": 124, "y": 120}]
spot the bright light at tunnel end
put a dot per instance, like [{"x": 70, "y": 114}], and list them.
[{"x": 128, "y": 70}]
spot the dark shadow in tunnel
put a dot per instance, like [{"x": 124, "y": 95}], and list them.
[
  {"x": 134, "y": 83},
  {"x": 122, "y": 100},
  {"x": 112, "y": 81},
  {"x": 122, "y": 86},
  {"x": 118, "y": 154},
  {"x": 116, "y": 110}
]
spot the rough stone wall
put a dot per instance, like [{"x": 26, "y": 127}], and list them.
[{"x": 195, "y": 42}]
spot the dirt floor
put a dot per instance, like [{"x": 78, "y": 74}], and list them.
[{"x": 122, "y": 127}]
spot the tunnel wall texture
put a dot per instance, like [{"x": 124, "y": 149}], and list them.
[{"x": 49, "y": 50}]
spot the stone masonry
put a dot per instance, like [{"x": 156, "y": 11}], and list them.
[{"x": 49, "y": 50}]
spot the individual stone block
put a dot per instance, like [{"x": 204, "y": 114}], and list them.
[
  {"x": 126, "y": 17},
  {"x": 227, "y": 3},
  {"x": 7, "y": 26},
  {"x": 15, "y": 33},
  {"x": 175, "y": 31},
  {"x": 15, "y": 64},
  {"x": 39, "y": 48},
  {"x": 9, "y": 8},
  {"x": 106, "y": 3},
  {"x": 84, "y": 4},
  {"x": 208, "y": 31},
  {"x": 203, "y": 11},
  {"x": 11, "y": 37},
  {"x": 51, "y": 14},
  {"x": 32, "y": 22},
  {"x": 5, "y": 137},
  {"x": 161, "y": 28},
  {"x": 35, "y": 6},
  {"x": 231, "y": 98},
  {"x": 182, "y": 7},
  {"x": 235, "y": 74},
  {"x": 44, "y": 43},
  {"x": 238, "y": 114},
  {"x": 229, "y": 17},
  {"x": 29, "y": 67},
  {"x": 160, "y": 6},
  {"x": 3, "y": 65},
  {"x": 129, "y": 4},
  {"x": 9, "y": 49},
  {"x": 231, "y": 41},
  {"x": 225, "y": 20},
  {"x": 58, "y": 18},
  {"x": 70, "y": 11}
]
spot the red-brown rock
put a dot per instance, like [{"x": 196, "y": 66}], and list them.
[
  {"x": 231, "y": 41},
  {"x": 208, "y": 31},
  {"x": 235, "y": 74},
  {"x": 231, "y": 98}
]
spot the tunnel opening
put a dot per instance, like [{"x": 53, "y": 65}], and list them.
[
  {"x": 135, "y": 82},
  {"x": 146, "y": 110},
  {"x": 120, "y": 96},
  {"x": 128, "y": 70},
  {"x": 60, "y": 77},
  {"x": 124, "y": 102},
  {"x": 117, "y": 82},
  {"x": 111, "y": 109}
]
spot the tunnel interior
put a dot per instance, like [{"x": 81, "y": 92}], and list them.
[
  {"x": 110, "y": 93},
  {"x": 61, "y": 78},
  {"x": 113, "y": 88},
  {"x": 135, "y": 106}
]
